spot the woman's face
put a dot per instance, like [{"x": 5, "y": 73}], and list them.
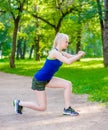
[{"x": 64, "y": 43}]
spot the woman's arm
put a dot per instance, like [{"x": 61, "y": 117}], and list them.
[
  {"x": 67, "y": 55},
  {"x": 69, "y": 59}
]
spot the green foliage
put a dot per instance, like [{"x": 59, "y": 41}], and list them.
[
  {"x": 84, "y": 17},
  {"x": 1, "y": 27},
  {"x": 88, "y": 76},
  {"x": 4, "y": 39}
]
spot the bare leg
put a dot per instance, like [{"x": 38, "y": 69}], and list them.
[
  {"x": 41, "y": 101},
  {"x": 61, "y": 83},
  {"x": 40, "y": 104}
]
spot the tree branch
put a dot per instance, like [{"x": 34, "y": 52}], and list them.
[
  {"x": 64, "y": 14},
  {"x": 1, "y": 11},
  {"x": 38, "y": 17}
]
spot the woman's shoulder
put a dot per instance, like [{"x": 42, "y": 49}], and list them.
[{"x": 52, "y": 53}]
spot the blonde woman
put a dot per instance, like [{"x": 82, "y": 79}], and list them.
[{"x": 45, "y": 78}]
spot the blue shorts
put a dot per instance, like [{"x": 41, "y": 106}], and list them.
[{"x": 38, "y": 85}]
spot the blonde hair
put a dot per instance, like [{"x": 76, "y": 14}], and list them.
[{"x": 58, "y": 37}]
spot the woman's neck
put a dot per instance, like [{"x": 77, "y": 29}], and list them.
[{"x": 58, "y": 49}]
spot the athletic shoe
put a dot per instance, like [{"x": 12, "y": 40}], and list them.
[
  {"x": 70, "y": 112},
  {"x": 18, "y": 108}
]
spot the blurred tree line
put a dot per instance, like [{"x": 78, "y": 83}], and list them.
[{"x": 28, "y": 27}]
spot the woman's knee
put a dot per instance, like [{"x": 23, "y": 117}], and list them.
[
  {"x": 43, "y": 108},
  {"x": 69, "y": 85}
]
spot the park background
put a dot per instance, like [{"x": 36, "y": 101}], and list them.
[{"x": 27, "y": 30}]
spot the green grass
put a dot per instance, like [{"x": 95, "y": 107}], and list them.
[{"x": 88, "y": 76}]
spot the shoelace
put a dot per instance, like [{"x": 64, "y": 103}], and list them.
[{"x": 71, "y": 109}]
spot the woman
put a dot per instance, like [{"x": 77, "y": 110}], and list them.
[{"x": 45, "y": 78}]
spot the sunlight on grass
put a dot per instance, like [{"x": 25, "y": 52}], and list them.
[
  {"x": 87, "y": 63},
  {"x": 105, "y": 78}
]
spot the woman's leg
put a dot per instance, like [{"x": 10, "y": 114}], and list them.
[
  {"x": 40, "y": 104},
  {"x": 62, "y": 83}
]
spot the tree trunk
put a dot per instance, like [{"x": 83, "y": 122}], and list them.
[
  {"x": 105, "y": 47},
  {"x": 19, "y": 49},
  {"x": 37, "y": 38},
  {"x": 78, "y": 45},
  {"x": 31, "y": 51},
  {"x": 37, "y": 47},
  {"x": 100, "y": 18},
  {"x": 79, "y": 31},
  {"x": 24, "y": 50},
  {"x": 12, "y": 57}
]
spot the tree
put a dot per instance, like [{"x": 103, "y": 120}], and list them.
[
  {"x": 21, "y": 48},
  {"x": 105, "y": 46},
  {"x": 100, "y": 18},
  {"x": 54, "y": 15},
  {"x": 79, "y": 32},
  {"x": 58, "y": 10},
  {"x": 104, "y": 29},
  {"x": 37, "y": 37},
  {"x": 15, "y": 9}
]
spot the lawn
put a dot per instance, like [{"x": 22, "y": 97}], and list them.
[{"x": 88, "y": 76}]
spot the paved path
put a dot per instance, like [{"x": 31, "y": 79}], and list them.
[{"x": 92, "y": 115}]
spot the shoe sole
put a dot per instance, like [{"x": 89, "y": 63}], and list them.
[
  {"x": 16, "y": 106},
  {"x": 68, "y": 114}
]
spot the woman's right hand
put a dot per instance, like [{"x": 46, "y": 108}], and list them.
[{"x": 82, "y": 53}]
